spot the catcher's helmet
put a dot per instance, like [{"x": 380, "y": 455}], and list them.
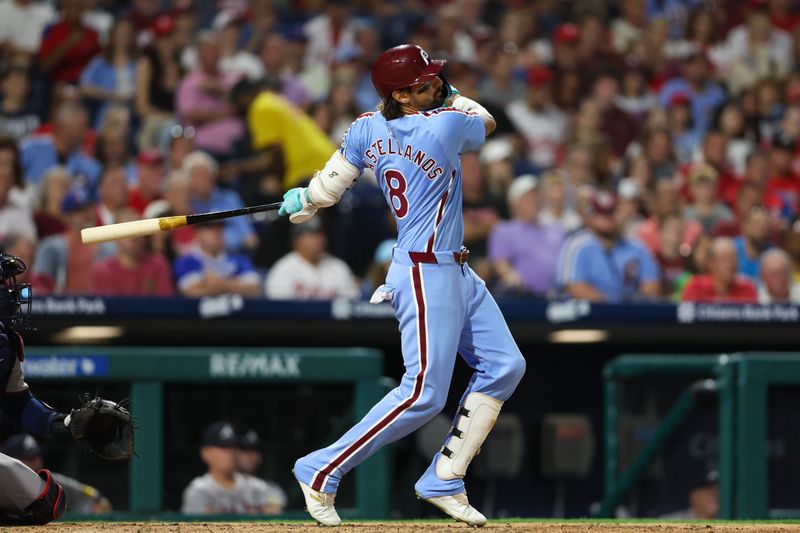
[
  {"x": 15, "y": 298},
  {"x": 403, "y": 66}
]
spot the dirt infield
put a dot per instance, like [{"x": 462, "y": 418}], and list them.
[{"x": 403, "y": 527}]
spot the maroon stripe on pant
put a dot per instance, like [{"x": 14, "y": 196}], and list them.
[{"x": 319, "y": 479}]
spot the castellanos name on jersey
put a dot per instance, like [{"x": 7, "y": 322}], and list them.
[{"x": 416, "y": 160}]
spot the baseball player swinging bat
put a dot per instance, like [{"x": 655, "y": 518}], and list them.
[{"x": 149, "y": 226}]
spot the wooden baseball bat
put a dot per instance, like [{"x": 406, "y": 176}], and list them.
[{"x": 149, "y": 226}]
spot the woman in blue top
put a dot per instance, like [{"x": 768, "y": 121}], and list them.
[{"x": 109, "y": 78}]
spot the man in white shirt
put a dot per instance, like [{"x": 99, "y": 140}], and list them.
[
  {"x": 309, "y": 272},
  {"x": 541, "y": 123},
  {"x": 22, "y": 23}
]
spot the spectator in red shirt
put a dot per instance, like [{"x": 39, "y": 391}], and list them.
[
  {"x": 782, "y": 193},
  {"x": 722, "y": 284},
  {"x": 135, "y": 270},
  {"x": 150, "y": 183},
  {"x": 68, "y": 45}
]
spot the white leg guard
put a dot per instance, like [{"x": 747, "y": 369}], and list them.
[{"x": 476, "y": 419}]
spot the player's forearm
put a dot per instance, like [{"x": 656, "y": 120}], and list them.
[
  {"x": 471, "y": 106},
  {"x": 584, "y": 291},
  {"x": 29, "y": 414},
  {"x": 328, "y": 185}
]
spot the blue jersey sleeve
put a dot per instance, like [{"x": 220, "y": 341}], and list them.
[
  {"x": 243, "y": 265},
  {"x": 581, "y": 269},
  {"x": 650, "y": 270},
  {"x": 352, "y": 147},
  {"x": 458, "y": 131},
  {"x": 186, "y": 266}
]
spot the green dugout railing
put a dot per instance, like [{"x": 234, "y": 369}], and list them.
[
  {"x": 149, "y": 368},
  {"x": 742, "y": 382}
]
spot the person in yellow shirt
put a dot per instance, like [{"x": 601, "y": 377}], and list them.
[{"x": 282, "y": 135}]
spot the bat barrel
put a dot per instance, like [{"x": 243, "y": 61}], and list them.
[{"x": 135, "y": 228}]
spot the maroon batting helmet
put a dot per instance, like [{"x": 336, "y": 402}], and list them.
[{"x": 403, "y": 66}]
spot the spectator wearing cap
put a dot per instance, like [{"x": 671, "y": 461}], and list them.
[
  {"x": 208, "y": 270},
  {"x": 777, "y": 283},
  {"x": 540, "y": 122},
  {"x": 112, "y": 195},
  {"x": 22, "y": 24},
  {"x": 705, "y": 207},
  {"x": 565, "y": 47},
  {"x": 64, "y": 147},
  {"x": 722, "y": 284},
  {"x": 135, "y": 269},
  {"x": 149, "y": 183},
  {"x": 706, "y": 95},
  {"x": 223, "y": 490},
  {"x": 18, "y": 115},
  {"x": 703, "y": 498},
  {"x": 629, "y": 207},
  {"x": 206, "y": 196},
  {"x": 753, "y": 241},
  {"x": 108, "y": 80},
  {"x": 83, "y": 499},
  {"x": 604, "y": 266},
  {"x": 782, "y": 191},
  {"x": 202, "y": 99},
  {"x": 68, "y": 45},
  {"x": 158, "y": 73},
  {"x": 249, "y": 457},
  {"x": 556, "y": 205},
  {"x": 497, "y": 165},
  {"x": 62, "y": 261},
  {"x": 524, "y": 250},
  {"x": 308, "y": 272}
]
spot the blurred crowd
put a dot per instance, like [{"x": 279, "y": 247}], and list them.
[{"x": 645, "y": 149}]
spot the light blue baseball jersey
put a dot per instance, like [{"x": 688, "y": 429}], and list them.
[{"x": 416, "y": 160}]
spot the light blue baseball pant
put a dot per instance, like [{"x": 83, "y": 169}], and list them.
[{"x": 443, "y": 308}]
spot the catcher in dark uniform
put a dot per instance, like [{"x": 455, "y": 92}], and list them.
[{"x": 101, "y": 426}]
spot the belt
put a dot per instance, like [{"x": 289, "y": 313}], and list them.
[{"x": 442, "y": 258}]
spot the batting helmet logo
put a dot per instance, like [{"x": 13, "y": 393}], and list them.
[{"x": 403, "y": 66}]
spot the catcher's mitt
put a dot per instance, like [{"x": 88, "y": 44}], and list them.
[{"x": 102, "y": 427}]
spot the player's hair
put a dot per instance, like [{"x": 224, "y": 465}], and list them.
[{"x": 391, "y": 108}]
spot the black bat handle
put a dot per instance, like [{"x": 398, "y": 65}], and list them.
[{"x": 220, "y": 215}]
